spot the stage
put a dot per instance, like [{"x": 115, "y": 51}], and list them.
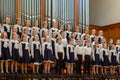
[{"x": 57, "y": 77}]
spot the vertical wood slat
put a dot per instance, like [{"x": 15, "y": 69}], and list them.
[
  {"x": 42, "y": 10},
  {"x": 18, "y": 8},
  {"x": 76, "y": 15}
]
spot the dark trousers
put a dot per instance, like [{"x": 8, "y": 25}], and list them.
[
  {"x": 59, "y": 64},
  {"x": 78, "y": 64},
  {"x": 87, "y": 64}
]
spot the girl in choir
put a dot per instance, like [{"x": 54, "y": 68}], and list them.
[
  {"x": 95, "y": 41},
  {"x": 73, "y": 35},
  {"x": 79, "y": 50},
  {"x": 103, "y": 41},
  {"x": 36, "y": 26},
  {"x": 61, "y": 28},
  {"x": 1, "y": 29},
  {"x": 14, "y": 30},
  {"x": 110, "y": 44},
  {"x": 45, "y": 33},
  {"x": 78, "y": 34},
  {"x": 87, "y": 57},
  {"x": 36, "y": 53},
  {"x": 117, "y": 47},
  {"x": 92, "y": 36},
  {"x": 113, "y": 59},
  {"x": 59, "y": 54},
  {"x": 54, "y": 28},
  {"x": 24, "y": 52},
  {"x": 68, "y": 32},
  {"x": 53, "y": 42},
  {"x": 26, "y": 33},
  {"x": 104, "y": 56},
  {"x": 118, "y": 62},
  {"x": 27, "y": 25},
  {"x": 85, "y": 35},
  {"x": 18, "y": 26},
  {"x": 14, "y": 50},
  {"x": 70, "y": 56},
  {"x": 100, "y": 36},
  {"x": 47, "y": 54},
  {"x": 44, "y": 28},
  {"x": 6, "y": 27},
  {"x": 96, "y": 58},
  {"x": 5, "y": 52},
  {"x": 34, "y": 32}
]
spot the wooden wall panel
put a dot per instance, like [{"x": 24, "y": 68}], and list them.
[
  {"x": 18, "y": 9},
  {"x": 42, "y": 10},
  {"x": 76, "y": 17},
  {"x": 110, "y": 31}
]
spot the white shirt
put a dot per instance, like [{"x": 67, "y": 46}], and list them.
[{"x": 59, "y": 48}]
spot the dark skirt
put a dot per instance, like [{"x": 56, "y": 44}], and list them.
[
  {"x": 48, "y": 56},
  {"x": 71, "y": 57},
  {"x": 106, "y": 60},
  {"x": 37, "y": 56},
  {"x": 15, "y": 55},
  {"x": 113, "y": 60},
  {"x": 97, "y": 60},
  {"x": 5, "y": 53},
  {"x": 25, "y": 57}
]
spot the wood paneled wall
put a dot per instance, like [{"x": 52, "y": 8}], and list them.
[{"x": 110, "y": 31}]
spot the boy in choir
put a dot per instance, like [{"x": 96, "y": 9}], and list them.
[
  {"x": 59, "y": 54},
  {"x": 47, "y": 54},
  {"x": 18, "y": 26},
  {"x": 24, "y": 52},
  {"x": 79, "y": 50},
  {"x": 6, "y": 27},
  {"x": 70, "y": 56},
  {"x": 87, "y": 57},
  {"x": 14, "y": 50},
  {"x": 64, "y": 42},
  {"x": 5, "y": 54},
  {"x": 36, "y": 53}
]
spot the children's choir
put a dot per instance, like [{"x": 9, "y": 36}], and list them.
[{"x": 74, "y": 51}]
